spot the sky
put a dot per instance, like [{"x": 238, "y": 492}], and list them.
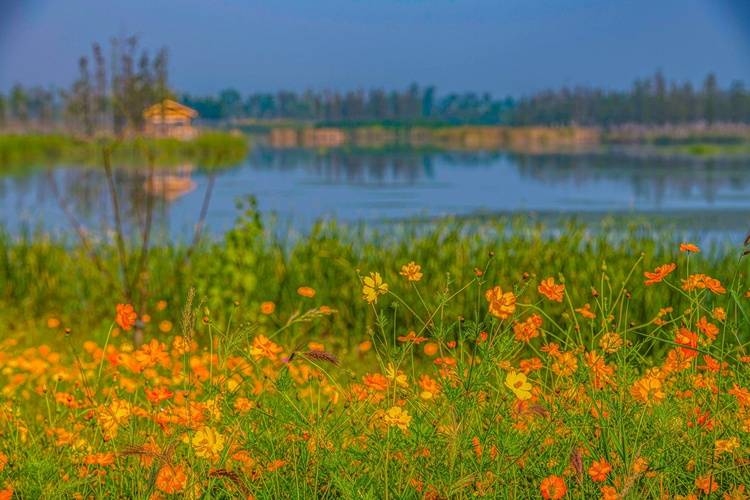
[{"x": 505, "y": 47}]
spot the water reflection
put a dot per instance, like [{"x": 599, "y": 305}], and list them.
[
  {"x": 303, "y": 185},
  {"x": 651, "y": 180}
]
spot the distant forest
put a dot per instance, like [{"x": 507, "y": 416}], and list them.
[
  {"x": 114, "y": 100},
  {"x": 651, "y": 101}
]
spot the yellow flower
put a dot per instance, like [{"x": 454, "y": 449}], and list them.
[
  {"x": 113, "y": 416},
  {"x": 397, "y": 417},
  {"x": 372, "y": 287},
  {"x": 726, "y": 445},
  {"x": 411, "y": 271},
  {"x": 519, "y": 384},
  {"x": 502, "y": 305},
  {"x": 397, "y": 376},
  {"x": 207, "y": 443},
  {"x": 648, "y": 390}
]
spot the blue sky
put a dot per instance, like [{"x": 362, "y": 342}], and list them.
[{"x": 501, "y": 46}]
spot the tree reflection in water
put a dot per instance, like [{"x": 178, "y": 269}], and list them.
[{"x": 352, "y": 184}]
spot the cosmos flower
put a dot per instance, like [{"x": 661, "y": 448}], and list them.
[
  {"x": 372, "y": 287},
  {"x": 397, "y": 417},
  {"x": 552, "y": 291},
  {"x": 171, "y": 479},
  {"x": 125, "y": 316},
  {"x": 658, "y": 275},
  {"x": 502, "y": 305},
  {"x": 207, "y": 443},
  {"x": 599, "y": 470},
  {"x": 411, "y": 271},
  {"x": 519, "y": 384},
  {"x": 553, "y": 487},
  {"x": 689, "y": 247}
]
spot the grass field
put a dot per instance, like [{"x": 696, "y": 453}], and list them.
[{"x": 498, "y": 360}]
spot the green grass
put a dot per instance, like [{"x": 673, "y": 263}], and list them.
[
  {"x": 208, "y": 150},
  {"x": 252, "y": 264}
]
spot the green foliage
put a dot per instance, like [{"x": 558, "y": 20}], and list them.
[{"x": 252, "y": 264}]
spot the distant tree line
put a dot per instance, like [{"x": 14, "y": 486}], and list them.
[
  {"x": 414, "y": 104},
  {"x": 108, "y": 96},
  {"x": 649, "y": 101}
]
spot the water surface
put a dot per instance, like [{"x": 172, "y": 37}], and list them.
[{"x": 301, "y": 186}]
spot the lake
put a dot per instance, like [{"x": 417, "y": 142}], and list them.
[{"x": 301, "y": 186}]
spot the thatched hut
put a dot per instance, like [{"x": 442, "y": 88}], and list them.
[{"x": 170, "y": 119}]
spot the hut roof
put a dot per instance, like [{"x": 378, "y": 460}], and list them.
[{"x": 168, "y": 109}]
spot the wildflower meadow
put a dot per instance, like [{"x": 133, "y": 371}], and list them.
[{"x": 506, "y": 383}]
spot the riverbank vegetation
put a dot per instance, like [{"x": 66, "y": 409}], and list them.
[
  {"x": 437, "y": 363},
  {"x": 254, "y": 263},
  {"x": 208, "y": 149}
]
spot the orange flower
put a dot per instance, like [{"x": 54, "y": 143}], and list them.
[
  {"x": 709, "y": 329},
  {"x": 412, "y": 337},
  {"x": 706, "y": 483},
  {"x": 659, "y": 274},
  {"x": 529, "y": 365},
  {"x": 719, "y": 314},
  {"x": 689, "y": 339},
  {"x": 100, "y": 459},
  {"x": 477, "y": 445},
  {"x": 609, "y": 493},
  {"x": 152, "y": 354},
  {"x": 565, "y": 364},
  {"x": 599, "y": 470},
  {"x": 689, "y": 247},
  {"x": 553, "y": 487},
  {"x": 586, "y": 311},
  {"x": 502, "y": 305},
  {"x": 158, "y": 394},
  {"x": 125, "y": 316},
  {"x": 741, "y": 394},
  {"x": 431, "y": 348},
  {"x": 602, "y": 372},
  {"x": 611, "y": 342},
  {"x": 411, "y": 271},
  {"x": 376, "y": 381},
  {"x": 306, "y": 291},
  {"x": 171, "y": 479},
  {"x": 701, "y": 281},
  {"x": 364, "y": 346},
  {"x": 549, "y": 289},
  {"x": 267, "y": 307},
  {"x": 528, "y": 329},
  {"x": 263, "y": 348}
]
